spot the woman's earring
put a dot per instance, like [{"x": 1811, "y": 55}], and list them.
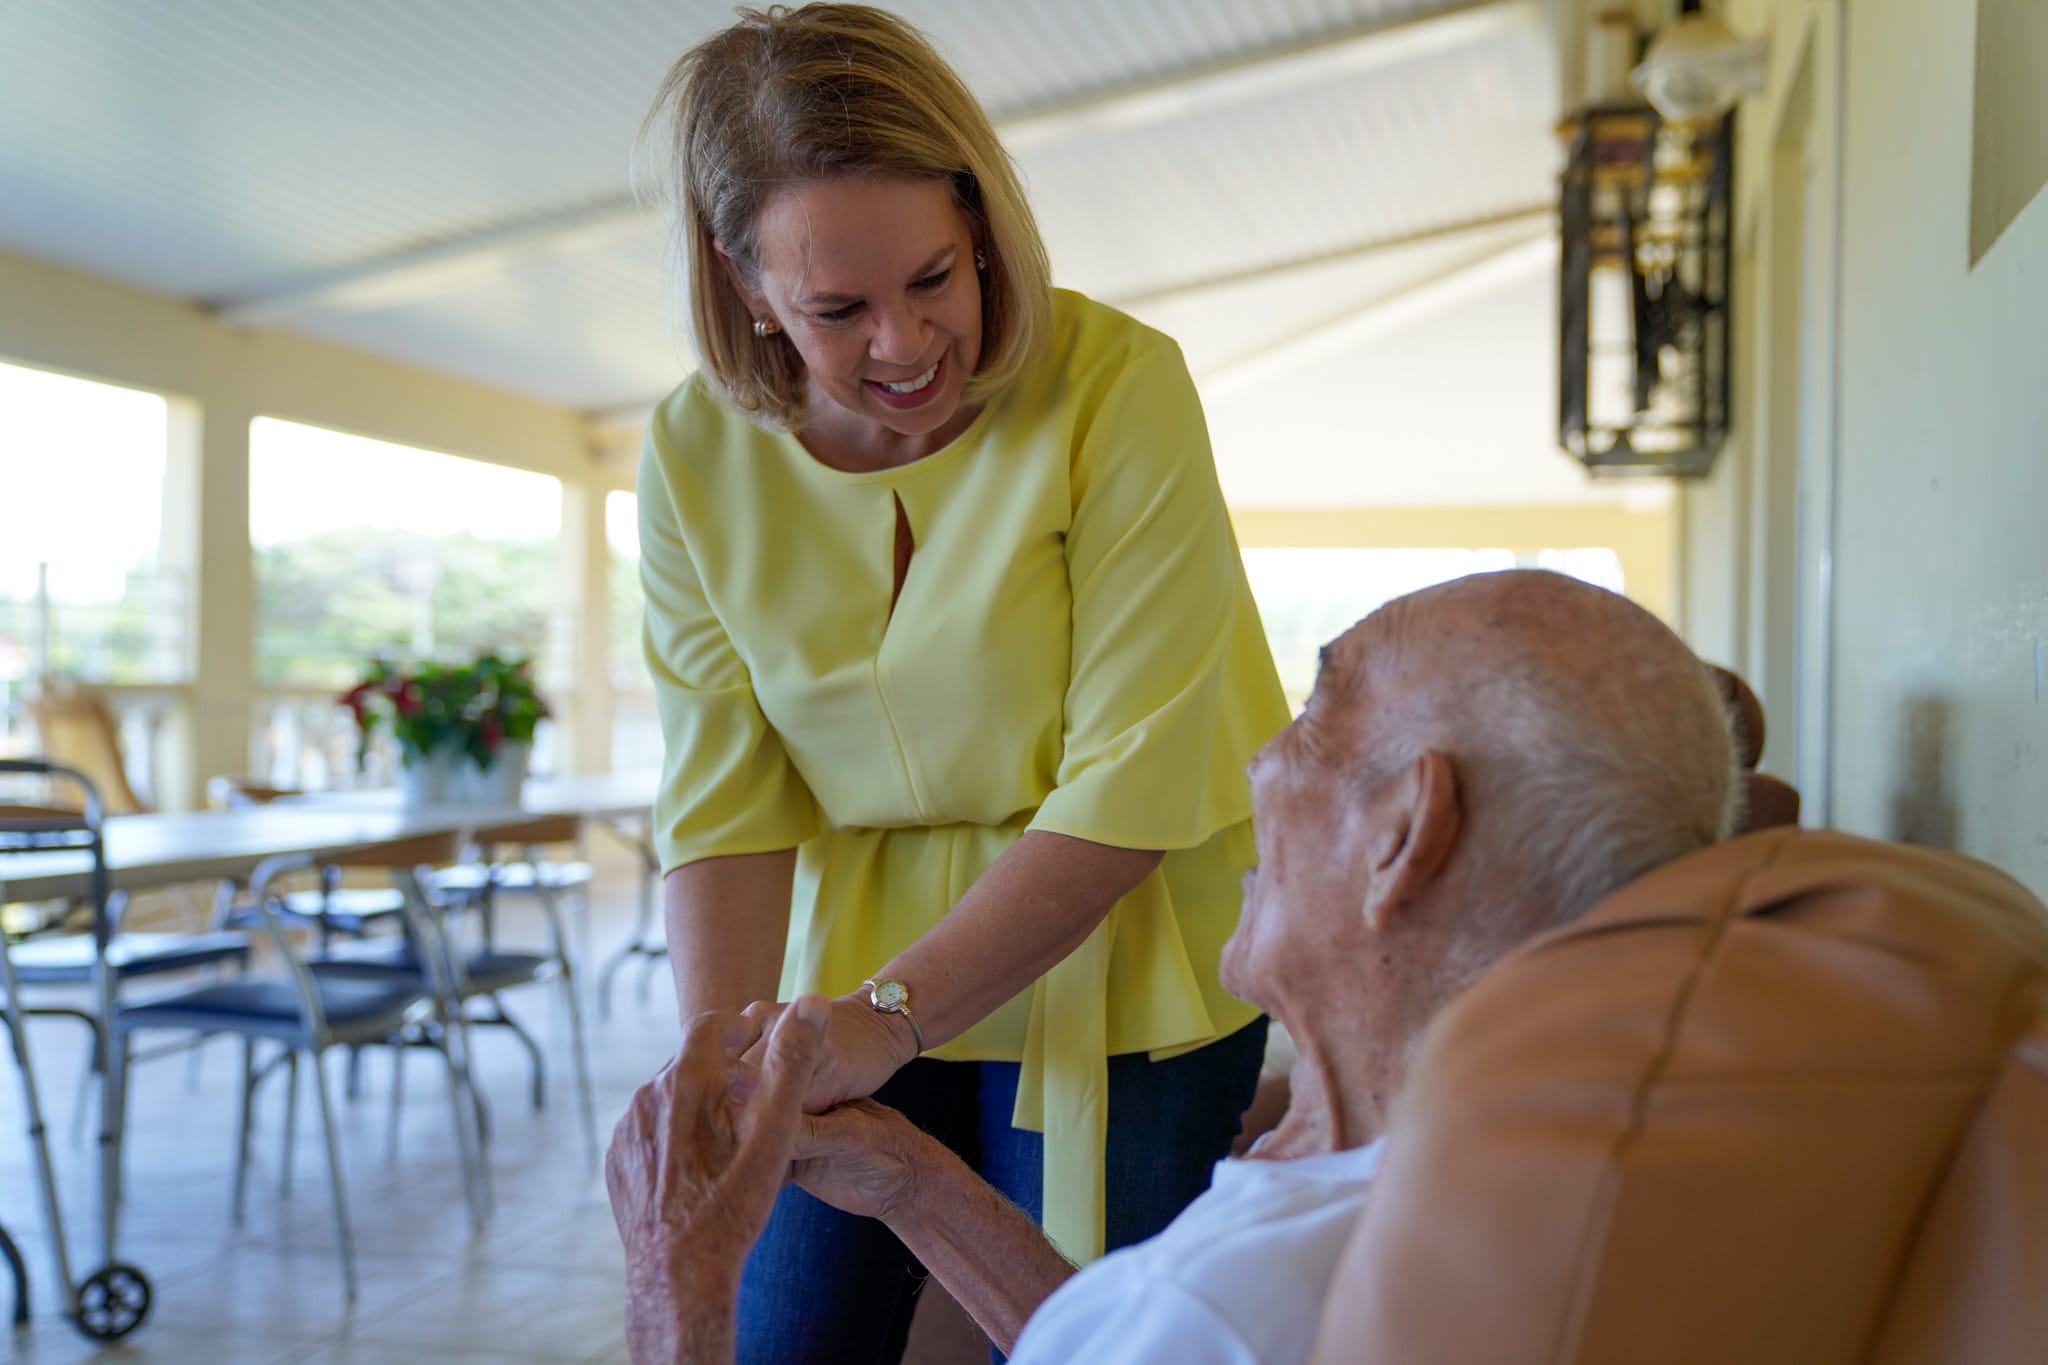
[
  {"x": 980, "y": 260},
  {"x": 765, "y": 328}
]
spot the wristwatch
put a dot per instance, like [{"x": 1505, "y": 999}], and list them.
[{"x": 893, "y": 997}]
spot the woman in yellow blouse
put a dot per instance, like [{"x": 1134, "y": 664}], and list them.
[{"x": 957, "y": 665}]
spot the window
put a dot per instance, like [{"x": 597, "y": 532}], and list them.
[
  {"x": 636, "y": 729},
  {"x": 84, "y": 594},
  {"x": 364, "y": 549},
  {"x": 1308, "y": 597}
]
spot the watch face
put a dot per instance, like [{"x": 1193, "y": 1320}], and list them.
[{"x": 891, "y": 995}]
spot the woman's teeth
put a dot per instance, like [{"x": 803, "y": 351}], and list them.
[{"x": 913, "y": 385}]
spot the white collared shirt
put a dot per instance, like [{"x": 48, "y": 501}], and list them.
[{"x": 1238, "y": 1279}]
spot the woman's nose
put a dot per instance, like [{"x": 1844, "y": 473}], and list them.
[{"x": 901, "y": 336}]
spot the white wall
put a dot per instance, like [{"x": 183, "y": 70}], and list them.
[
  {"x": 1941, "y": 727},
  {"x": 1920, "y": 379}
]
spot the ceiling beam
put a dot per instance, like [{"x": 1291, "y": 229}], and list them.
[
  {"x": 407, "y": 276},
  {"x": 1407, "y": 306},
  {"x": 1530, "y": 217},
  {"x": 1343, "y": 54},
  {"x": 423, "y": 272}
]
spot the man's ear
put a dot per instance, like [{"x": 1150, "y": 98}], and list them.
[{"x": 1417, "y": 819}]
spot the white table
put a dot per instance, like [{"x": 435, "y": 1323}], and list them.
[{"x": 145, "y": 851}]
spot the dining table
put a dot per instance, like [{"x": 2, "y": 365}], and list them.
[{"x": 144, "y": 852}]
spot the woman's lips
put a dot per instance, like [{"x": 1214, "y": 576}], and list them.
[{"x": 906, "y": 401}]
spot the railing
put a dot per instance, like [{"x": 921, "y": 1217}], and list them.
[{"x": 301, "y": 738}]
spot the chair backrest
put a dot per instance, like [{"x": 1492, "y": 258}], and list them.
[
  {"x": 543, "y": 829},
  {"x": 1784, "y": 1101},
  {"x": 240, "y": 793},
  {"x": 79, "y": 732},
  {"x": 420, "y": 850}
]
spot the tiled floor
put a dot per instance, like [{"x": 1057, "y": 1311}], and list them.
[{"x": 542, "y": 1283}]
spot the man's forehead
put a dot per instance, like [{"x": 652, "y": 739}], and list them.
[{"x": 1341, "y": 662}]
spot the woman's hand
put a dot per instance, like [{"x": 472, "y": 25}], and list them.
[
  {"x": 864, "y": 1047},
  {"x": 862, "y": 1158}
]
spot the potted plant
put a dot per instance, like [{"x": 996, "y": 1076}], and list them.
[
  {"x": 464, "y": 731},
  {"x": 497, "y": 736}
]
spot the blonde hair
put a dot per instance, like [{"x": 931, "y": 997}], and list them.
[{"x": 789, "y": 97}]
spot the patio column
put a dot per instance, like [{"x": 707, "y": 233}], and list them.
[
  {"x": 586, "y": 564},
  {"x": 206, "y": 541}
]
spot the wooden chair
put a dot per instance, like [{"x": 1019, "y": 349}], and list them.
[{"x": 79, "y": 732}]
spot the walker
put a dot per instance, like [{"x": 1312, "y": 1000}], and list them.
[{"x": 112, "y": 1301}]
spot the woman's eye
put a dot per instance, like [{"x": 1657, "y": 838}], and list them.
[
  {"x": 936, "y": 280},
  {"x": 838, "y": 314}
]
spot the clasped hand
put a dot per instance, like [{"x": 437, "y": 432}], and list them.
[
  {"x": 697, "y": 1159},
  {"x": 704, "y": 1147},
  {"x": 863, "y": 1048}
]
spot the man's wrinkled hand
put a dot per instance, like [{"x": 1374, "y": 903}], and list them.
[
  {"x": 861, "y": 1158},
  {"x": 703, "y": 1149}
]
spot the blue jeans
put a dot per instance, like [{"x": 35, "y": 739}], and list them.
[{"x": 823, "y": 1286}]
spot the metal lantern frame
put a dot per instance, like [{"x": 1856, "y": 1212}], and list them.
[{"x": 1646, "y": 204}]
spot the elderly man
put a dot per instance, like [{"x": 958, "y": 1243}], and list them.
[{"x": 1480, "y": 763}]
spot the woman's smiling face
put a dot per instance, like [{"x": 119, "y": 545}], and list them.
[{"x": 875, "y": 285}]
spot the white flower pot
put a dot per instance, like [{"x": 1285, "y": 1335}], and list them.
[
  {"x": 497, "y": 785},
  {"x": 427, "y": 780}
]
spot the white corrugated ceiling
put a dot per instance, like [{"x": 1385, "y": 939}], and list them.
[{"x": 447, "y": 182}]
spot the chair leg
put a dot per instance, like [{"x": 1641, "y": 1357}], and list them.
[
  {"x": 242, "y": 1124},
  {"x": 355, "y": 1071},
  {"x": 468, "y": 1068},
  {"x": 399, "y": 1046},
  {"x": 192, "y": 1061},
  {"x": 291, "y": 1121},
  {"x": 476, "y": 1170},
  {"x": 526, "y": 1040},
  {"x": 582, "y": 1060},
  {"x": 348, "y": 1248}
]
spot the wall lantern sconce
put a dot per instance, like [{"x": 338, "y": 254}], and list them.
[
  {"x": 1646, "y": 224},
  {"x": 1643, "y": 304}
]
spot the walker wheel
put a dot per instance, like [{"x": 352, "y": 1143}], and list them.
[{"x": 112, "y": 1302}]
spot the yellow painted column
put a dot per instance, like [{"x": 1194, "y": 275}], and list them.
[{"x": 206, "y": 541}]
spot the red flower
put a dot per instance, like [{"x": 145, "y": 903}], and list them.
[
  {"x": 354, "y": 699},
  {"x": 407, "y": 698},
  {"x": 492, "y": 731}
]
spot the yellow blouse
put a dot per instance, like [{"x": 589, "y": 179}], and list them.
[{"x": 1075, "y": 649}]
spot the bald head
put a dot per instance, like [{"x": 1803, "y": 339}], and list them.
[{"x": 1589, "y": 743}]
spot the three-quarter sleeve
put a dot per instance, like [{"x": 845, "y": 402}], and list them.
[
  {"x": 728, "y": 785},
  {"x": 1172, "y": 686}
]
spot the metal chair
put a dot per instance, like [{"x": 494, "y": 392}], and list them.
[
  {"x": 480, "y": 973},
  {"x": 334, "y": 908},
  {"x": 311, "y": 1013},
  {"x": 485, "y": 877},
  {"x": 115, "y": 1299}
]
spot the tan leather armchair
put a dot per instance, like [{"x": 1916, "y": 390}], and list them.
[{"x": 1782, "y": 1101}]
